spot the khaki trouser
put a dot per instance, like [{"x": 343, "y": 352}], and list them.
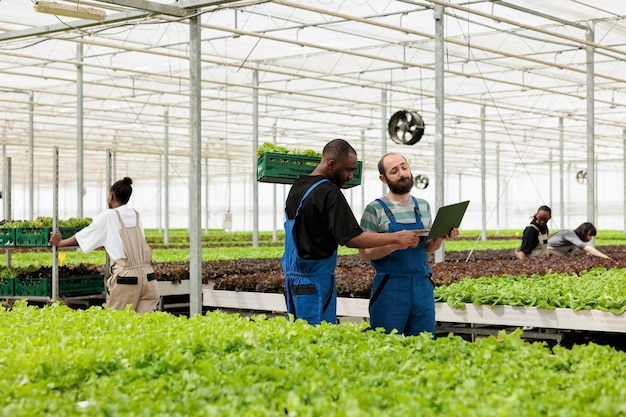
[
  {"x": 132, "y": 278},
  {"x": 127, "y": 286}
]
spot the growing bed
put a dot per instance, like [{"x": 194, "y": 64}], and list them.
[{"x": 583, "y": 293}]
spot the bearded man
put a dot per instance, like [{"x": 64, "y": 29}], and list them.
[{"x": 402, "y": 298}]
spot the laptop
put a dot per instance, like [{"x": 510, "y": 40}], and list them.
[{"x": 448, "y": 217}]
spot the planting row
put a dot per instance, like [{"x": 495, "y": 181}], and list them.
[
  {"x": 220, "y": 364},
  {"x": 74, "y": 280},
  {"x": 354, "y": 276}
]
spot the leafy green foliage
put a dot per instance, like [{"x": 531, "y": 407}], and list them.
[
  {"x": 241, "y": 268},
  {"x": 598, "y": 289},
  {"x": 514, "y": 237},
  {"x": 71, "y": 270},
  {"x": 172, "y": 255},
  {"x": 583, "y": 282},
  {"x": 6, "y": 272},
  {"x": 212, "y": 238},
  {"x": 500, "y": 263},
  {"x": 101, "y": 362},
  {"x": 35, "y": 271},
  {"x": 270, "y": 147},
  {"x": 43, "y": 221}
]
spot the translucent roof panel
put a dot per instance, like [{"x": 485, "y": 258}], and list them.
[{"x": 325, "y": 69}]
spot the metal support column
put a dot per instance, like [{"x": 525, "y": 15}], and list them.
[
  {"x": 31, "y": 158},
  {"x": 195, "y": 167},
  {"x": 483, "y": 175},
  {"x": 497, "y": 189},
  {"x": 383, "y": 117},
  {"x": 274, "y": 195},
  {"x": 438, "y": 15},
  {"x": 591, "y": 171},
  {"x": 206, "y": 196},
  {"x": 55, "y": 223},
  {"x": 6, "y": 195},
  {"x": 362, "y": 154},
  {"x": 550, "y": 178},
  {"x": 109, "y": 182},
  {"x": 79, "y": 130},
  {"x": 561, "y": 176},
  {"x": 255, "y": 145},
  {"x": 166, "y": 178}
]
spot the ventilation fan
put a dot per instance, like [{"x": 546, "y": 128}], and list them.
[
  {"x": 421, "y": 181},
  {"x": 581, "y": 176},
  {"x": 406, "y": 127}
]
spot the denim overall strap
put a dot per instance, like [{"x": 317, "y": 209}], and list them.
[
  {"x": 310, "y": 289},
  {"x": 402, "y": 294},
  {"x": 290, "y": 256}
]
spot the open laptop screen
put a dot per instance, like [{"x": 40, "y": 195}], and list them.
[{"x": 448, "y": 217}]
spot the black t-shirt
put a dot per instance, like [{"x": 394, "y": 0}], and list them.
[
  {"x": 530, "y": 238},
  {"x": 326, "y": 220}
]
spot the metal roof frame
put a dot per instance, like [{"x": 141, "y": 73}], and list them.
[{"x": 324, "y": 69}]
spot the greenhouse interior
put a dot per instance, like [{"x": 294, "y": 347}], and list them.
[{"x": 510, "y": 105}]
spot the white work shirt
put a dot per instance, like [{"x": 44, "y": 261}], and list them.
[{"x": 104, "y": 231}]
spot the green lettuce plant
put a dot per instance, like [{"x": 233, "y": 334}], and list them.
[{"x": 98, "y": 362}]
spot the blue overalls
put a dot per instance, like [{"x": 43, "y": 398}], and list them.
[
  {"x": 402, "y": 292},
  {"x": 310, "y": 290}
]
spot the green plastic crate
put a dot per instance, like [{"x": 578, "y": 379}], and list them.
[
  {"x": 7, "y": 287},
  {"x": 32, "y": 236},
  {"x": 69, "y": 231},
  {"x": 285, "y": 168},
  {"x": 7, "y": 237},
  {"x": 68, "y": 286},
  {"x": 81, "y": 285},
  {"x": 32, "y": 287}
]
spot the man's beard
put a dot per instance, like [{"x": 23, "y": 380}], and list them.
[
  {"x": 337, "y": 180},
  {"x": 402, "y": 186}
]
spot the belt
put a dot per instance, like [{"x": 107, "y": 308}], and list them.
[{"x": 134, "y": 280}]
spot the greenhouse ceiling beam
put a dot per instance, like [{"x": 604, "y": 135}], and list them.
[
  {"x": 77, "y": 24},
  {"x": 404, "y": 63},
  {"x": 496, "y": 52},
  {"x": 93, "y": 97},
  {"x": 114, "y": 18},
  {"x": 181, "y": 10},
  {"x": 114, "y": 118},
  {"x": 456, "y": 98},
  {"x": 542, "y": 15},
  {"x": 526, "y": 86},
  {"x": 197, "y": 4},
  {"x": 150, "y": 6},
  {"x": 557, "y": 35},
  {"x": 508, "y": 133},
  {"x": 606, "y": 149}
]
